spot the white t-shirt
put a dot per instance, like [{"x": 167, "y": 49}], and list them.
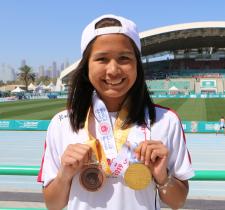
[{"x": 115, "y": 194}]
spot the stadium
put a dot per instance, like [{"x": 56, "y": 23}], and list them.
[
  {"x": 186, "y": 59},
  {"x": 184, "y": 66}
]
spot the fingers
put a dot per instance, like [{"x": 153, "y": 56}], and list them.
[
  {"x": 76, "y": 155},
  {"x": 73, "y": 158},
  {"x": 149, "y": 151}
]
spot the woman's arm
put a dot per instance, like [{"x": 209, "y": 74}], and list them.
[
  {"x": 56, "y": 193},
  {"x": 173, "y": 192},
  {"x": 155, "y": 155}
]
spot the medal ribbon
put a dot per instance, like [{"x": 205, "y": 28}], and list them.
[
  {"x": 111, "y": 139},
  {"x": 98, "y": 154}
]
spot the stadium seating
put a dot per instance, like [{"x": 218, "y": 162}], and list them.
[
  {"x": 155, "y": 84},
  {"x": 208, "y": 83},
  {"x": 182, "y": 85}
]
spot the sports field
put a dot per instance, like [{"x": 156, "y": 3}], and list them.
[
  {"x": 188, "y": 109},
  {"x": 31, "y": 109}
]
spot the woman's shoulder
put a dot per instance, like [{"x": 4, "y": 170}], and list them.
[
  {"x": 62, "y": 115},
  {"x": 166, "y": 113},
  {"x": 60, "y": 118}
]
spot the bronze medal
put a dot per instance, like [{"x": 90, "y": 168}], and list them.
[
  {"x": 92, "y": 177},
  {"x": 137, "y": 176}
]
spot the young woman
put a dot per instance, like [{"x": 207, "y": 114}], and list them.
[{"x": 113, "y": 148}]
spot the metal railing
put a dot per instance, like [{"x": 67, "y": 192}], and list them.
[
  {"x": 200, "y": 175},
  {"x": 22, "y": 209},
  {"x": 19, "y": 170}
]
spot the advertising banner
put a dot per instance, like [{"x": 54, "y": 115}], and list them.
[
  {"x": 200, "y": 127},
  {"x": 42, "y": 125},
  {"x": 34, "y": 125}
]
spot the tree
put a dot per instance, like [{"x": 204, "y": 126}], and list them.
[
  {"x": 26, "y": 75},
  {"x": 1, "y": 83},
  {"x": 45, "y": 79}
]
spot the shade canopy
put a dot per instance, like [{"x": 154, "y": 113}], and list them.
[{"x": 17, "y": 90}]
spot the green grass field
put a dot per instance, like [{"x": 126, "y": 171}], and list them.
[
  {"x": 31, "y": 109},
  {"x": 188, "y": 109},
  {"x": 210, "y": 109}
]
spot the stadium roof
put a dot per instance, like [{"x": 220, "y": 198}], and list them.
[
  {"x": 183, "y": 36},
  {"x": 67, "y": 72}
]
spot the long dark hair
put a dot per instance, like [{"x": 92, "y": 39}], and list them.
[{"x": 81, "y": 89}]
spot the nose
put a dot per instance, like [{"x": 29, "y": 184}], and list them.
[{"x": 113, "y": 68}]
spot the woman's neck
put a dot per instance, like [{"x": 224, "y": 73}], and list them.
[{"x": 113, "y": 106}]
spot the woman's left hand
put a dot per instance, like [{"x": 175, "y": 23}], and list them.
[{"x": 154, "y": 154}]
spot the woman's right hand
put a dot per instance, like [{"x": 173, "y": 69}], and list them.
[{"x": 73, "y": 158}]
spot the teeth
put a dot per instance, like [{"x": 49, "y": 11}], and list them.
[{"x": 114, "y": 82}]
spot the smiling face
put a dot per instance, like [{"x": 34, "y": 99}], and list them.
[{"x": 112, "y": 68}]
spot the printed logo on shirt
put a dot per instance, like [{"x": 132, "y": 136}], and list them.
[{"x": 63, "y": 116}]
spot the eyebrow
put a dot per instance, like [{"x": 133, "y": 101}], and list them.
[{"x": 102, "y": 53}]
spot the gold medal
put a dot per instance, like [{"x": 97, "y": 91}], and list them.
[
  {"x": 92, "y": 177},
  {"x": 137, "y": 176}
]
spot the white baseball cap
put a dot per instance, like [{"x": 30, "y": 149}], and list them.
[{"x": 128, "y": 28}]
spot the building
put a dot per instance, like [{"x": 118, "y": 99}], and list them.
[{"x": 7, "y": 73}]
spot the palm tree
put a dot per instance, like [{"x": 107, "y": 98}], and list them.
[
  {"x": 26, "y": 75},
  {"x": 45, "y": 79}
]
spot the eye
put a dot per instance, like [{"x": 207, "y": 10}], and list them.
[
  {"x": 124, "y": 58},
  {"x": 101, "y": 59}
]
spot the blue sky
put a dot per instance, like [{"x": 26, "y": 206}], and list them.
[{"x": 42, "y": 31}]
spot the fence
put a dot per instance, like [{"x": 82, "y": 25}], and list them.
[{"x": 200, "y": 175}]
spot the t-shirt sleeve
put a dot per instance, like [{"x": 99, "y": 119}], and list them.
[
  {"x": 51, "y": 159},
  {"x": 179, "y": 160}
]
